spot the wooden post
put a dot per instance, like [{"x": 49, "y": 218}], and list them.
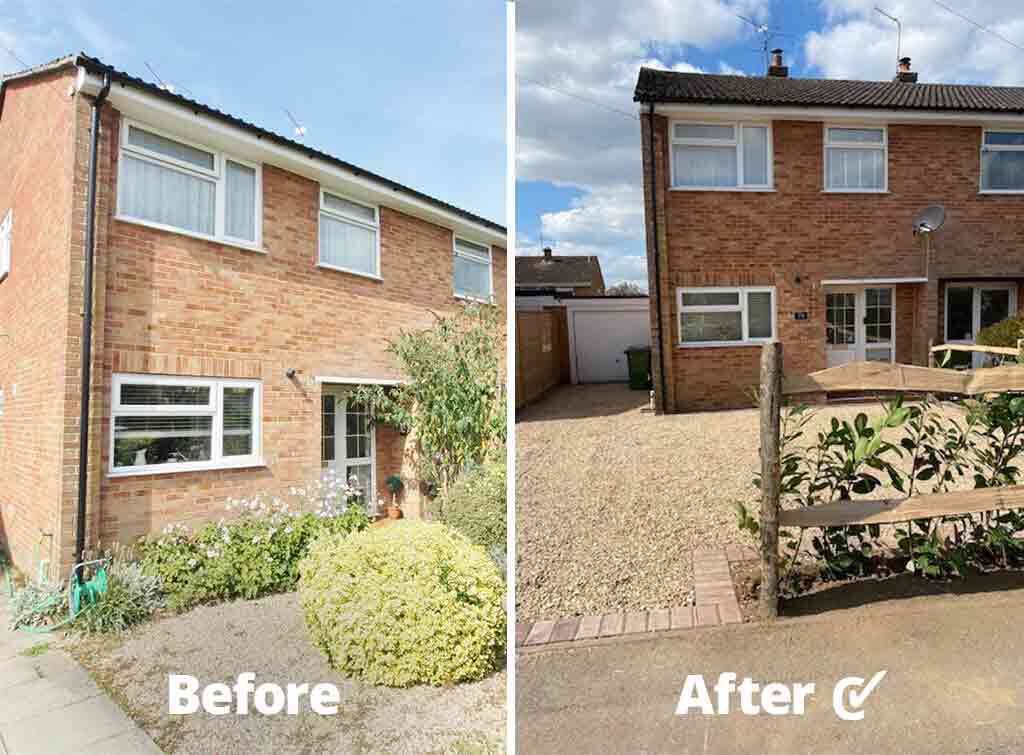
[
  {"x": 771, "y": 417},
  {"x": 931, "y": 354}
]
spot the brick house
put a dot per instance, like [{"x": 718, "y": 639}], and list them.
[
  {"x": 558, "y": 275},
  {"x": 243, "y": 283},
  {"x": 783, "y": 208}
]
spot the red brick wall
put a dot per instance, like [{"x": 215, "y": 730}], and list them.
[
  {"x": 172, "y": 304},
  {"x": 800, "y": 232},
  {"x": 37, "y": 322}
]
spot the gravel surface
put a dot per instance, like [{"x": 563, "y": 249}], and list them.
[
  {"x": 611, "y": 499},
  {"x": 268, "y": 637}
]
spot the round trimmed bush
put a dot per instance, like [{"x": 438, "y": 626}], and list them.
[
  {"x": 409, "y": 603},
  {"x": 475, "y": 505}
]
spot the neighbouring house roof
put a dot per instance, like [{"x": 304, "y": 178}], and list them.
[
  {"x": 98, "y": 67},
  {"x": 550, "y": 271},
  {"x": 697, "y": 88}
]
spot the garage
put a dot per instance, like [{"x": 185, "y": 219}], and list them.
[{"x": 600, "y": 331}]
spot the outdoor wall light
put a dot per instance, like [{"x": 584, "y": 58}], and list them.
[{"x": 290, "y": 373}]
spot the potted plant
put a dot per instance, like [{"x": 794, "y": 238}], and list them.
[{"x": 395, "y": 485}]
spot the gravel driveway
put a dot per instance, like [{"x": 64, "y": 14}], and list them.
[
  {"x": 268, "y": 637},
  {"x": 611, "y": 499}
]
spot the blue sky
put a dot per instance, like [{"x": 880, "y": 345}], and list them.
[
  {"x": 411, "y": 90},
  {"x": 578, "y": 165}
]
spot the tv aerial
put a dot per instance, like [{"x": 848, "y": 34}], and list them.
[{"x": 767, "y": 35}]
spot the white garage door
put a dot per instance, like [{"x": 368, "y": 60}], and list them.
[{"x": 601, "y": 340}]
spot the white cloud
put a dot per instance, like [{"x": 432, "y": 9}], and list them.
[
  {"x": 860, "y": 43},
  {"x": 593, "y": 51}
]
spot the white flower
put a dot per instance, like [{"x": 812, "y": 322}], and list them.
[
  {"x": 192, "y": 562},
  {"x": 289, "y": 530}
]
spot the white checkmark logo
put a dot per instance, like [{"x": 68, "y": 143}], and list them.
[{"x": 859, "y": 693}]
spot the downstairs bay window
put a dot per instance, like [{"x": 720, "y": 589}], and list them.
[
  {"x": 725, "y": 316},
  {"x": 177, "y": 424}
]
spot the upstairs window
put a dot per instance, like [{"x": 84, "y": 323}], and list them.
[
  {"x": 721, "y": 156},
  {"x": 349, "y": 235},
  {"x": 170, "y": 184},
  {"x": 6, "y": 228},
  {"x": 726, "y": 316},
  {"x": 1002, "y": 161},
  {"x": 472, "y": 270},
  {"x": 172, "y": 424},
  {"x": 855, "y": 159}
]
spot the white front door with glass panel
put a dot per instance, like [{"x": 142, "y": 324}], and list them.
[
  {"x": 971, "y": 307},
  {"x": 859, "y": 325},
  {"x": 347, "y": 443}
]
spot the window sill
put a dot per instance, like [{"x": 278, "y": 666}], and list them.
[
  {"x": 165, "y": 469},
  {"x": 855, "y": 191},
  {"x": 474, "y": 299},
  {"x": 349, "y": 271},
  {"x": 736, "y": 189},
  {"x": 191, "y": 234},
  {"x": 722, "y": 344},
  {"x": 1003, "y": 192}
]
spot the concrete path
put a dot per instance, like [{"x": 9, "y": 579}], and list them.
[
  {"x": 955, "y": 682},
  {"x": 50, "y": 706}
]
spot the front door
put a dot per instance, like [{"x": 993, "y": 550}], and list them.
[
  {"x": 971, "y": 307},
  {"x": 859, "y": 325},
  {"x": 347, "y": 442}
]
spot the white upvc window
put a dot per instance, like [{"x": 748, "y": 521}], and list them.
[
  {"x": 726, "y": 316},
  {"x": 348, "y": 448},
  {"x": 721, "y": 156},
  {"x": 856, "y": 159},
  {"x": 6, "y": 229},
  {"x": 177, "y": 424},
  {"x": 349, "y": 235},
  {"x": 169, "y": 183},
  {"x": 473, "y": 276},
  {"x": 1002, "y": 161}
]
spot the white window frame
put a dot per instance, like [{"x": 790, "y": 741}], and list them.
[
  {"x": 213, "y": 409},
  {"x": 6, "y": 233},
  {"x": 741, "y": 307},
  {"x": 736, "y": 142},
  {"x": 341, "y": 457},
  {"x": 476, "y": 258},
  {"x": 218, "y": 175},
  {"x": 996, "y": 148},
  {"x": 343, "y": 218},
  {"x": 883, "y": 147}
]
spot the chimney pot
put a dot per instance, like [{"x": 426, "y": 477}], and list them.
[
  {"x": 776, "y": 68},
  {"x": 903, "y": 72},
  {"x": 547, "y": 251}
]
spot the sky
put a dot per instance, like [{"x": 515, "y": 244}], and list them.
[
  {"x": 414, "y": 91},
  {"x": 579, "y": 164}
]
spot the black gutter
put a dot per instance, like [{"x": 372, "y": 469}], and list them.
[
  {"x": 657, "y": 257},
  {"x": 90, "y": 243}
]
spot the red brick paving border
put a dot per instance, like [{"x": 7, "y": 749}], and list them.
[{"x": 714, "y": 604}]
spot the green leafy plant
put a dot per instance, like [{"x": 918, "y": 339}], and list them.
[
  {"x": 411, "y": 603},
  {"x": 131, "y": 598},
  {"x": 476, "y": 505},
  {"x": 256, "y": 553},
  {"x": 38, "y": 605},
  {"x": 1003, "y": 333},
  {"x": 453, "y": 398}
]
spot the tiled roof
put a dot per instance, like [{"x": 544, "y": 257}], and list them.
[
  {"x": 565, "y": 270},
  {"x": 671, "y": 86},
  {"x": 96, "y": 66}
]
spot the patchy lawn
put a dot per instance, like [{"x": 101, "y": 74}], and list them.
[
  {"x": 268, "y": 637},
  {"x": 611, "y": 499}
]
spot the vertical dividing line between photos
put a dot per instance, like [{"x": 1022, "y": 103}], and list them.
[{"x": 510, "y": 368}]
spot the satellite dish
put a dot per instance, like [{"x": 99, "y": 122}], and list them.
[{"x": 929, "y": 220}]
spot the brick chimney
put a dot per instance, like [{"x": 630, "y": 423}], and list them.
[
  {"x": 776, "y": 68},
  {"x": 903, "y": 72},
  {"x": 547, "y": 252}
]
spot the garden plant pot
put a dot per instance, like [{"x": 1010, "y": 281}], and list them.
[{"x": 394, "y": 512}]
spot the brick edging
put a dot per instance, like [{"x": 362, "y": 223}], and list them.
[{"x": 715, "y": 604}]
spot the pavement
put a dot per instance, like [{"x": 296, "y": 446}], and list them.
[
  {"x": 50, "y": 706},
  {"x": 954, "y": 681}
]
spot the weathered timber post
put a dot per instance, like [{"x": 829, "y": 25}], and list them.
[
  {"x": 771, "y": 417},
  {"x": 931, "y": 354}
]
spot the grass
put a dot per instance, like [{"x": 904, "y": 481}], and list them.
[{"x": 36, "y": 650}]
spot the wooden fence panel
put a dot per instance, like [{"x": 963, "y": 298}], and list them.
[
  {"x": 881, "y": 376},
  {"x": 542, "y": 353}
]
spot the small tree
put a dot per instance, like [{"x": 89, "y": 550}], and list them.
[
  {"x": 453, "y": 400},
  {"x": 625, "y": 288}
]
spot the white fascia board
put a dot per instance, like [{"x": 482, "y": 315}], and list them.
[
  {"x": 869, "y": 281},
  {"x": 357, "y": 380},
  {"x": 834, "y": 115},
  {"x": 608, "y": 304},
  {"x": 209, "y": 131}
]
